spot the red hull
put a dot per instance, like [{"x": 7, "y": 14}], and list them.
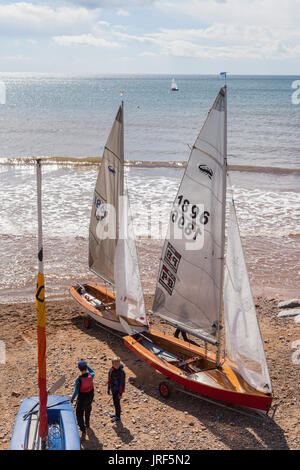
[{"x": 250, "y": 400}]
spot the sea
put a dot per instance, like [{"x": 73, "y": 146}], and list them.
[{"x": 66, "y": 119}]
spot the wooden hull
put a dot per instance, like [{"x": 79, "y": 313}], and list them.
[
  {"x": 62, "y": 426},
  {"x": 200, "y": 376},
  {"x": 104, "y": 314}
]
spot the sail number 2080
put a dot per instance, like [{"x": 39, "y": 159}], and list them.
[{"x": 189, "y": 216}]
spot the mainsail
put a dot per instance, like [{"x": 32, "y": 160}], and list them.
[
  {"x": 189, "y": 288},
  {"x": 104, "y": 223},
  {"x": 129, "y": 293},
  {"x": 243, "y": 339},
  {"x": 174, "y": 85}
]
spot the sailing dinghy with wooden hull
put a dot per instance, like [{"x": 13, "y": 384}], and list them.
[
  {"x": 110, "y": 217},
  {"x": 195, "y": 369},
  {"x": 194, "y": 283}
]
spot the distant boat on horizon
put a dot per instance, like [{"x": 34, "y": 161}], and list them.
[{"x": 174, "y": 86}]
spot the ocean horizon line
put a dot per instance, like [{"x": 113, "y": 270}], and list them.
[{"x": 137, "y": 74}]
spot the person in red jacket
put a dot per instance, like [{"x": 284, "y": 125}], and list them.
[
  {"x": 84, "y": 388},
  {"x": 116, "y": 385}
]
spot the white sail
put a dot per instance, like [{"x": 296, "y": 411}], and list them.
[
  {"x": 103, "y": 231},
  {"x": 189, "y": 288},
  {"x": 129, "y": 293},
  {"x": 174, "y": 85},
  {"x": 243, "y": 339}
]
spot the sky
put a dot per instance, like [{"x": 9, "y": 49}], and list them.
[{"x": 150, "y": 36}]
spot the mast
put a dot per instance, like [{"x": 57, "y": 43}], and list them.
[
  {"x": 41, "y": 317},
  {"x": 223, "y": 227},
  {"x": 122, "y": 150}
]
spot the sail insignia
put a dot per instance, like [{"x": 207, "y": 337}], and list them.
[{"x": 206, "y": 170}]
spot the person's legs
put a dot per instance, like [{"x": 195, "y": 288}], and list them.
[
  {"x": 184, "y": 336},
  {"x": 79, "y": 414},
  {"x": 116, "y": 400},
  {"x": 88, "y": 409}
]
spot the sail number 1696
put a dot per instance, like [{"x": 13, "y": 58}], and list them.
[{"x": 190, "y": 214}]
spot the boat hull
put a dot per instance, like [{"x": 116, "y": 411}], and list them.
[
  {"x": 107, "y": 315},
  {"x": 62, "y": 425},
  {"x": 222, "y": 384}
]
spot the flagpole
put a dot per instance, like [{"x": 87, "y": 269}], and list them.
[{"x": 41, "y": 317}]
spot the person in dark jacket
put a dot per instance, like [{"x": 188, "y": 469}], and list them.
[
  {"x": 84, "y": 388},
  {"x": 116, "y": 386}
]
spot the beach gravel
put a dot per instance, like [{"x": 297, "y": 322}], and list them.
[{"x": 148, "y": 420}]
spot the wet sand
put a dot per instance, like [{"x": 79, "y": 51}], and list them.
[
  {"x": 273, "y": 265},
  {"x": 148, "y": 420}
]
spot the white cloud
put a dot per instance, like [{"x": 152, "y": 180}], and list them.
[
  {"x": 31, "y": 41},
  {"x": 260, "y": 29},
  {"x": 84, "y": 40},
  {"x": 111, "y": 3},
  {"x": 122, "y": 12},
  {"x": 120, "y": 26},
  {"x": 231, "y": 29},
  {"x": 86, "y": 3},
  {"x": 15, "y": 57},
  {"x": 148, "y": 54},
  {"x": 274, "y": 13},
  {"x": 24, "y": 18},
  {"x": 104, "y": 23},
  {"x": 146, "y": 38}
]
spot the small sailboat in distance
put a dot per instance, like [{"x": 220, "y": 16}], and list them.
[
  {"x": 174, "y": 86},
  {"x": 110, "y": 234},
  {"x": 191, "y": 291}
]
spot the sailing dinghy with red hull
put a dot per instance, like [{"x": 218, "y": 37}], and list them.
[{"x": 195, "y": 285}]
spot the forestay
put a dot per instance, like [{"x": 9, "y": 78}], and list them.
[
  {"x": 104, "y": 224},
  {"x": 129, "y": 293},
  {"x": 191, "y": 269},
  {"x": 243, "y": 339}
]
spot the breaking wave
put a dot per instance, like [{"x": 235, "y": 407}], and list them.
[{"x": 94, "y": 161}]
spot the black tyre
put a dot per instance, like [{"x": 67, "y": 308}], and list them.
[{"x": 164, "y": 389}]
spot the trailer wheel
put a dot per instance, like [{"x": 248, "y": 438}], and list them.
[
  {"x": 164, "y": 389},
  {"x": 86, "y": 322}
]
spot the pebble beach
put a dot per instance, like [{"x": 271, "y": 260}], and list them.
[{"x": 148, "y": 421}]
